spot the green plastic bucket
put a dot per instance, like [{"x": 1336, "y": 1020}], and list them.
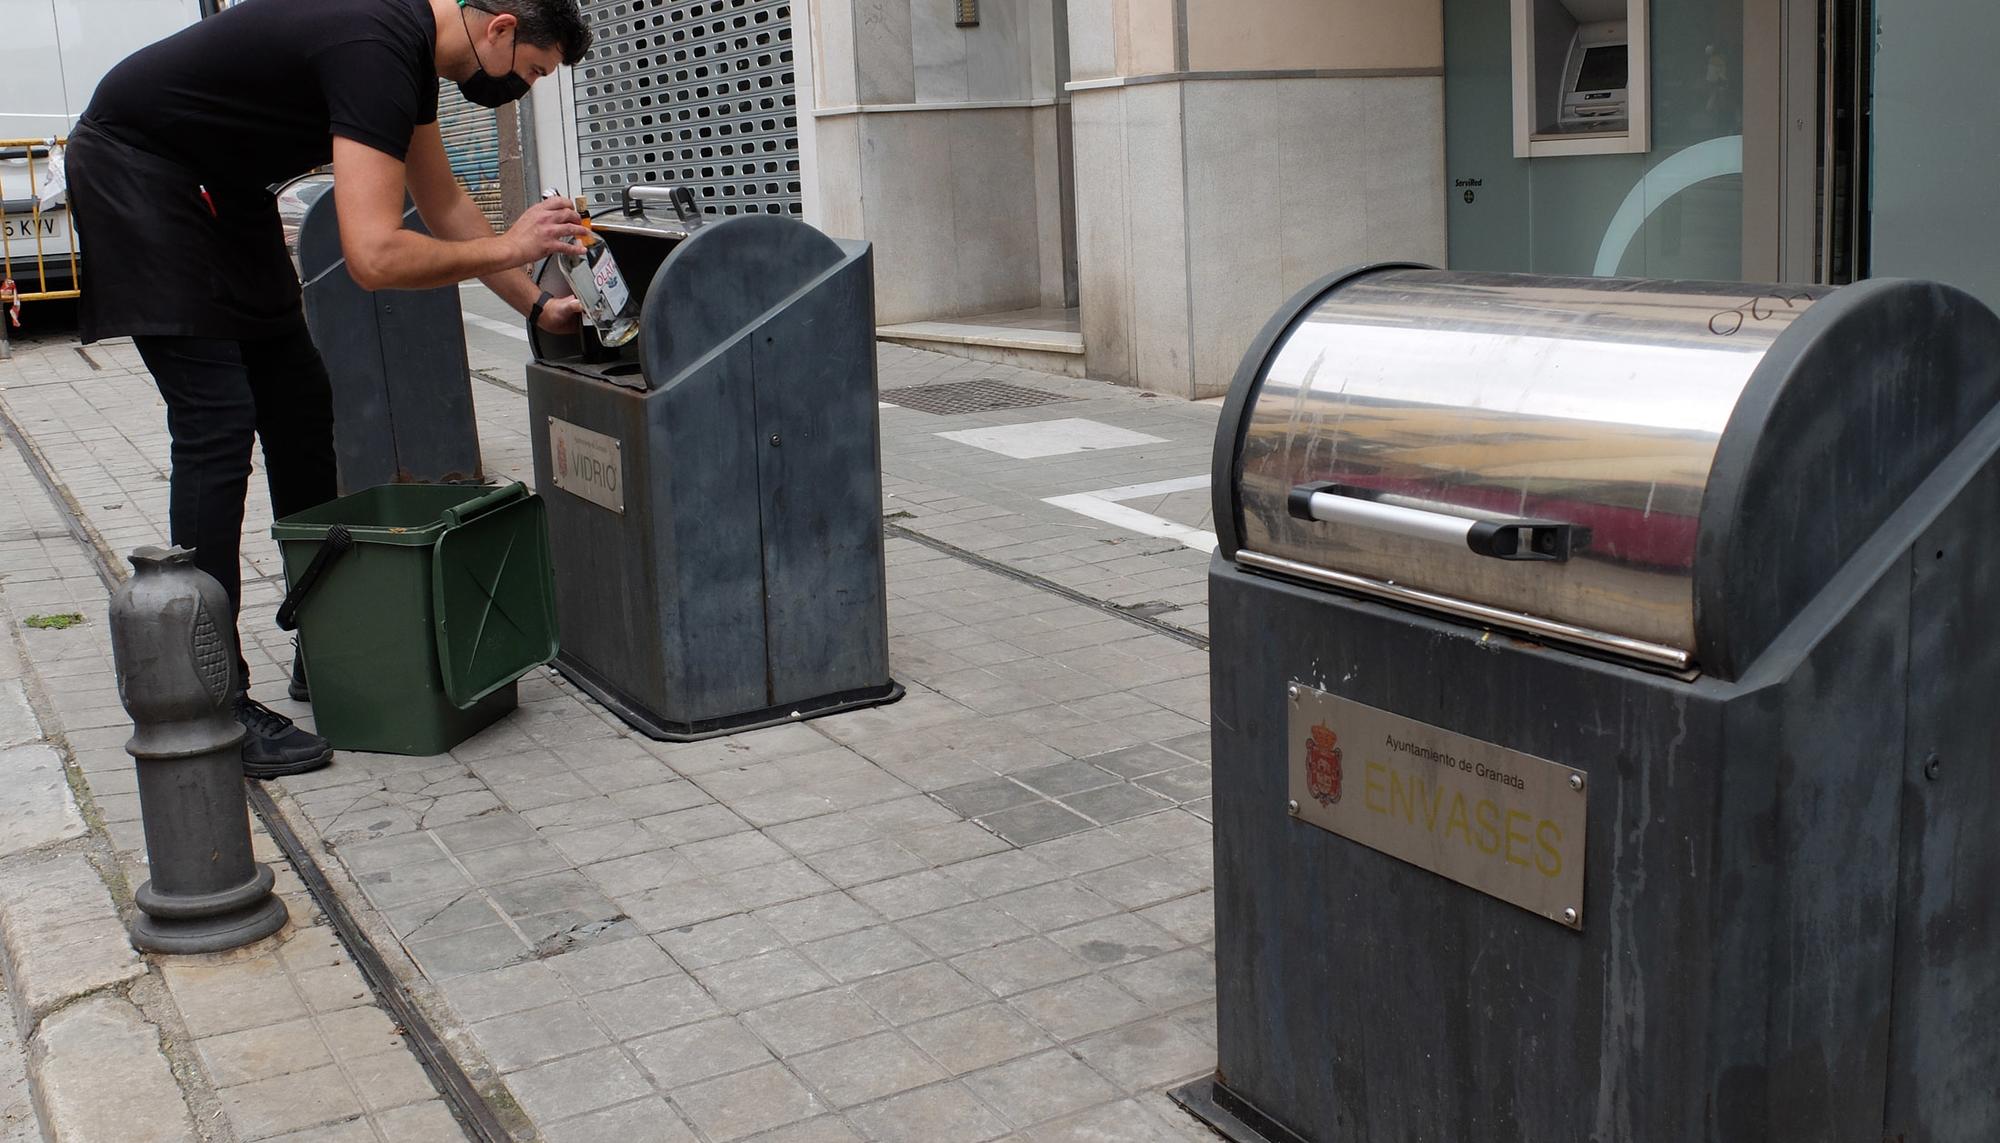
[{"x": 416, "y": 632}]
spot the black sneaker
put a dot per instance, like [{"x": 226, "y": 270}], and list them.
[
  {"x": 298, "y": 689},
  {"x": 276, "y": 746}
]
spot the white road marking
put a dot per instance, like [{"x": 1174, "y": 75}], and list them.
[
  {"x": 1156, "y": 488},
  {"x": 1035, "y": 439},
  {"x": 1103, "y": 505},
  {"x": 517, "y": 332}
]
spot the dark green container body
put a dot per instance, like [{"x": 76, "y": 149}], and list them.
[{"x": 415, "y": 637}]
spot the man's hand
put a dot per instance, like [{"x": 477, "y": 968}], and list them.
[
  {"x": 561, "y": 316},
  {"x": 551, "y": 226}
]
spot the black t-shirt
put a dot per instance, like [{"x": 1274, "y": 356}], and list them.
[{"x": 253, "y": 96}]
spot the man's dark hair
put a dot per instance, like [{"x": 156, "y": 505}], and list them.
[{"x": 545, "y": 24}]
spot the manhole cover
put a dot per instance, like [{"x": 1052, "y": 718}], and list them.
[{"x": 969, "y": 397}]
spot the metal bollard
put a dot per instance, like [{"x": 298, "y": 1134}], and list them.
[{"x": 176, "y": 657}]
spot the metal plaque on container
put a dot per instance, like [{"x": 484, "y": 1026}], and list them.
[
  {"x": 1508, "y": 824},
  {"x": 587, "y": 464}
]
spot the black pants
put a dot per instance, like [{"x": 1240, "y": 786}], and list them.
[{"x": 220, "y": 395}]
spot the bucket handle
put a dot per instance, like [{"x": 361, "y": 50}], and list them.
[
  {"x": 473, "y": 509},
  {"x": 338, "y": 541}
]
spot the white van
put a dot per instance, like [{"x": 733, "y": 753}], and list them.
[{"x": 52, "y": 53}]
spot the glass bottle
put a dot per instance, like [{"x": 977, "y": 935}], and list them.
[{"x": 593, "y": 274}]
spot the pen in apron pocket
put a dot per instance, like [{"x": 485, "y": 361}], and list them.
[{"x": 206, "y": 201}]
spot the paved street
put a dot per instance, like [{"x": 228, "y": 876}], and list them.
[{"x": 980, "y": 913}]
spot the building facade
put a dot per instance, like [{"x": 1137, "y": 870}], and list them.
[{"x": 1172, "y": 170}]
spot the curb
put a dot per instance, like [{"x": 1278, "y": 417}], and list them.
[
  {"x": 98, "y": 1072},
  {"x": 97, "y": 1068},
  {"x": 60, "y": 936}
]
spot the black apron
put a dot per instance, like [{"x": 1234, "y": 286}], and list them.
[{"x": 165, "y": 255}]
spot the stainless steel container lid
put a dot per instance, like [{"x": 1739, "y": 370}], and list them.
[{"x": 1540, "y": 454}]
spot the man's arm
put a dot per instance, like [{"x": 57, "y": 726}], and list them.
[
  {"x": 368, "y": 187},
  {"x": 451, "y": 214}
]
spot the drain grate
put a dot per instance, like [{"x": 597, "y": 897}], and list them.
[{"x": 970, "y": 397}]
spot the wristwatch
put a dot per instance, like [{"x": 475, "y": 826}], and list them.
[{"x": 535, "y": 311}]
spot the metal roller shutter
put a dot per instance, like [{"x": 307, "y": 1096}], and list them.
[
  {"x": 697, "y": 93},
  {"x": 472, "y": 143}
]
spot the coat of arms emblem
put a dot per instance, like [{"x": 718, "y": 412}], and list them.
[{"x": 1323, "y": 765}]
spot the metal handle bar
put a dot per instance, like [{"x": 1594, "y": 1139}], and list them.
[
  {"x": 1503, "y": 539},
  {"x": 679, "y": 198}
]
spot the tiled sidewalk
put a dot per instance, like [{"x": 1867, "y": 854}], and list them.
[{"x": 980, "y": 913}]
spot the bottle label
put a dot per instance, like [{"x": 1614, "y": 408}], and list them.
[
  {"x": 610, "y": 285},
  {"x": 584, "y": 286}
]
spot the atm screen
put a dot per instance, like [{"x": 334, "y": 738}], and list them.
[{"x": 1604, "y": 69}]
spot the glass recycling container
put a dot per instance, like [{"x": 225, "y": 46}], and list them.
[{"x": 714, "y": 484}]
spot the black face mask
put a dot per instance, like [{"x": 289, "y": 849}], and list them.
[{"x": 484, "y": 88}]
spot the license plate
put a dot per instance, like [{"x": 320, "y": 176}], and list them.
[{"x": 20, "y": 231}]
